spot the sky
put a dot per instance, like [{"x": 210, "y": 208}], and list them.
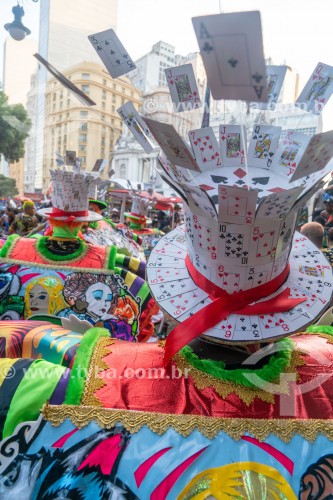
[{"x": 295, "y": 32}]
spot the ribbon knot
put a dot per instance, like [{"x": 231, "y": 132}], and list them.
[{"x": 224, "y": 304}]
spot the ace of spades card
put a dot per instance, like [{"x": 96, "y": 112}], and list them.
[
  {"x": 232, "y": 139},
  {"x": 274, "y": 81},
  {"x": 317, "y": 154},
  {"x": 236, "y": 205},
  {"x": 136, "y": 125},
  {"x": 232, "y": 52},
  {"x": 112, "y": 53},
  {"x": 183, "y": 87},
  {"x": 263, "y": 144},
  {"x": 317, "y": 90},
  {"x": 173, "y": 146},
  {"x": 205, "y": 148},
  {"x": 289, "y": 153}
]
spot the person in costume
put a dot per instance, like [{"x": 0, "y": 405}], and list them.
[
  {"x": 25, "y": 221},
  {"x": 55, "y": 257},
  {"x": 43, "y": 296}
]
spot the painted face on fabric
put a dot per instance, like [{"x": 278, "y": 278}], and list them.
[
  {"x": 39, "y": 300},
  {"x": 5, "y": 280},
  {"x": 99, "y": 297}
]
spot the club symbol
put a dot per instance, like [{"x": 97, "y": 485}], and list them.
[
  {"x": 256, "y": 77},
  {"x": 233, "y": 62},
  {"x": 207, "y": 48}
]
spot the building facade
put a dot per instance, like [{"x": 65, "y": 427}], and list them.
[
  {"x": 90, "y": 131},
  {"x": 64, "y": 28}
]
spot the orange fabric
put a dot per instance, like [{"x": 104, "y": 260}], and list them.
[
  {"x": 136, "y": 380},
  {"x": 25, "y": 249}
]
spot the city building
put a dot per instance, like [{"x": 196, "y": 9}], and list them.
[
  {"x": 90, "y": 131},
  {"x": 64, "y": 28}
]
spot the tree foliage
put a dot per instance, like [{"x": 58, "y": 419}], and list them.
[
  {"x": 14, "y": 129},
  {"x": 7, "y": 187}
]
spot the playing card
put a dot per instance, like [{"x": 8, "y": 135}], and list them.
[
  {"x": 136, "y": 125},
  {"x": 70, "y": 158},
  {"x": 171, "y": 250},
  {"x": 263, "y": 144},
  {"x": 112, "y": 52},
  {"x": 183, "y": 87},
  {"x": 263, "y": 242},
  {"x": 177, "y": 174},
  {"x": 65, "y": 82},
  {"x": 232, "y": 51},
  {"x": 317, "y": 90},
  {"x": 258, "y": 275},
  {"x": 199, "y": 202},
  {"x": 174, "y": 148},
  {"x": 205, "y": 148},
  {"x": 164, "y": 291},
  {"x": 182, "y": 302},
  {"x": 246, "y": 328},
  {"x": 98, "y": 164},
  {"x": 165, "y": 274},
  {"x": 318, "y": 153},
  {"x": 286, "y": 232},
  {"x": 289, "y": 153},
  {"x": 203, "y": 239},
  {"x": 277, "y": 205},
  {"x": 232, "y": 140},
  {"x": 236, "y": 205},
  {"x": 234, "y": 244},
  {"x": 274, "y": 80}
]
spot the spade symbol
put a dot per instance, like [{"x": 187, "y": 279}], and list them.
[{"x": 260, "y": 180}]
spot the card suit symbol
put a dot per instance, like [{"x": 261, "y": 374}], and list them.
[
  {"x": 172, "y": 301},
  {"x": 257, "y": 77},
  {"x": 255, "y": 238},
  {"x": 195, "y": 143},
  {"x": 220, "y": 275},
  {"x": 259, "y": 255},
  {"x": 106, "y": 42},
  {"x": 202, "y": 149},
  {"x": 233, "y": 62},
  {"x": 240, "y": 173},
  {"x": 112, "y": 51},
  {"x": 260, "y": 180},
  {"x": 223, "y": 137},
  {"x": 207, "y": 48}
]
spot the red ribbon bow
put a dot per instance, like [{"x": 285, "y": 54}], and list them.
[{"x": 225, "y": 304}]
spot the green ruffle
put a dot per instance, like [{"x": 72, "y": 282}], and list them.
[
  {"x": 45, "y": 252},
  {"x": 270, "y": 372},
  {"x": 81, "y": 364},
  {"x": 7, "y": 245},
  {"x": 320, "y": 329}
]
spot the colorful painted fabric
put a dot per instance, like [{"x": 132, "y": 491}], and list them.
[{"x": 94, "y": 283}]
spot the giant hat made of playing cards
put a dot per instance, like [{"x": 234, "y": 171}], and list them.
[
  {"x": 139, "y": 209},
  {"x": 236, "y": 271},
  {"x": 70, "y": 197}
]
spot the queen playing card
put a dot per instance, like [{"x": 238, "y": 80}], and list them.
[
  {"x": 263, "y": 144},
  {"x": 232, "y": 52},
  {"x": 183, "y": 87},
  {"x": 317, "y": 90}
]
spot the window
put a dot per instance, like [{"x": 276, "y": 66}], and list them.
[
  {"x": 113, "y": 109},
  {"x": 54, "y": 96},
  {"x": 83, "y": 127},
  {"x": 102, "y": 152},
  {"x": 82, "y": 159},
  {"x": 122, "y": 101},
  {"x": 104, "y": 82},
  {"x": 114, "y": 86},
  {"x": 82, "y": 147},
  {"x": 85, "y": 88},
  {"x": 123, "y": 171},
  {"x": 83, "y": 137},
  {"x": 68, "y": 102},
  {"x": 103, "y": 131},
  {"x": 123, "y": 90},
  {"x": 102, "y": 118},
  {"x": 67, "y": 115},
  {"x": 112, "y": 121},
  {"x": 85, "y": 76},
  {"x": 113, "y": 98},
  {"x": 103, "y": 104},
  {"x": 103, "y": 94},
  {"x": 103, "y": 141},
  {"x": 83, "y": 113}
]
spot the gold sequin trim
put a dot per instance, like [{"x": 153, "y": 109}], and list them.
[
  {"x": 246, "y": 394},
  {"x": 97, "y": 365},
  {"x": 133, "y": 421}
]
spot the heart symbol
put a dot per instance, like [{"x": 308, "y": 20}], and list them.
[{"x": 195, "y": 143}]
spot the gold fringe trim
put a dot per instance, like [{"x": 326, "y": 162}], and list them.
[
  {"x": 203, "y": 380},
  {"x": 133, "y": 421},
  {"x": 326, "y": 336},
  {"x": 97, "y": 365},
  {"x": 60, "y": 267}
]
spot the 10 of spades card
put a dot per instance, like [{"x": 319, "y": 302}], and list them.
[
  {"x": 136, "y": 125},
  {"x": 317, "y": 90},
  {"x": 232, "y": 145},
  {"x": 112, "y": 52},
  {"x": 205, "y": 148},
  {"x": 236, "y": 205},
  {"x": 173, "y": 146},
  {"x": 183, "y": 87},
  {"x": 263, "y": 145},
  {"x": 274, "y": 81},
  {"x": 289, "y": 153},
  {"x": 232, "y": 52}
]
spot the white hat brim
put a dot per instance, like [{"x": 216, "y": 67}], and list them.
[
  {"x": 177, "y": 294},
  {"x": 91, "y": 217}
]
